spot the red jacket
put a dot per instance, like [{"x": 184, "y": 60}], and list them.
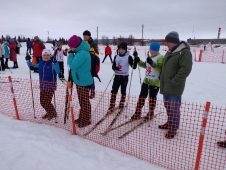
[
  {"x": 37, "y": 48},
  {"x": 12, "y": 47},
  {"x": 108, "y": 50}
]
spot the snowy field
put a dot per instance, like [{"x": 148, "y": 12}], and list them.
[{"x": 26, "y": 145}]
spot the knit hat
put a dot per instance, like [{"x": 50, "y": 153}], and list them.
[
  {"x": 172, "y": 37},
  {"x": 86, "y": 32},
  {"x": 11, "y": 40},
  {"x": 74, "y": 41},
  {"x": 155, "y": 46},
  {"x": 123, "y": 45},
  {"x": 46, "y": 51},
  {"x": 36, "y": 37}
]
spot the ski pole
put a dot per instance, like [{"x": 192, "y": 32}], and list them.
[
  {"x": 32, "y": 94},
  {"x": 104, "y": 92},
  {"x": 10, "y": 70},
  {"x": 138, "y": 67},
  {"x": 129, "y": 90},
  {"x": 55, "y": 105}
]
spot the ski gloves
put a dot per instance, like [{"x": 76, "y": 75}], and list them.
[
  {"x": 135, "y": 54},
  {"x": 137, "y": 59}
]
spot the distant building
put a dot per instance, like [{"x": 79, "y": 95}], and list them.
[{"x": 205, "y": 41}]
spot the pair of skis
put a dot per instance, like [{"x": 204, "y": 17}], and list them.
[
  {"x": 143, "y": 121},
  {"x": 67, "y": 104},
  {"x": 105, "y": 117}
]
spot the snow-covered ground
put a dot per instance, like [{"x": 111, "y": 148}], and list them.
[
  {"x": 29, "y": 146},
  {"x": 26, "y": 145}
]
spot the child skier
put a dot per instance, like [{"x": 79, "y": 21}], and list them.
[
  {"x": 48, "y": 70},
  {"x": 151, "y": 83},
  {"x": 59, "y": 55},
  {"x": 7, "y": 54},
  {"x": 121, "y": 67}
]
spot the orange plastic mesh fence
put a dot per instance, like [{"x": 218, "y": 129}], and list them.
[
  {"x": 216, "y": 55},
  {"x": 147, "y": 142}
]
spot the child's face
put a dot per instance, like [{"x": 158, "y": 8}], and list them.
[
  {"x": 122, "y": 51},
  {"x": 46, "y": 57},
  {"x": 60, "y": 47}
]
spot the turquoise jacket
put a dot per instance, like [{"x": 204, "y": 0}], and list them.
[
  {"x": 80, "y": 65},
  {"x": 6, "y": 48}
]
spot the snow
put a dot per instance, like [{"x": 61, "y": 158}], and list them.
[{"x": 26, "y": 145}]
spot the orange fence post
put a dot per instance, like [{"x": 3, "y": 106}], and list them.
[
  {"x": 71, "y": 108},
  {"x": 223, "y": 57},
  {"x": 14, "y": 98},
  {"x": 200, "y": 55},
  {"x": 201, "y": 138}
]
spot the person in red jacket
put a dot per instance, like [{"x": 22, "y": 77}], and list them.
[
  {"x": 108, "y": 52},
  {"x": 13, "y": 55},
  {"x": 38, "y": 47}
]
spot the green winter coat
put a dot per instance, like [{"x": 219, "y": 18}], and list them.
[
  {"x": 80, "y": 64},
  {"x": 176, "y": 68},
  {"x": 157, "y": 66}
]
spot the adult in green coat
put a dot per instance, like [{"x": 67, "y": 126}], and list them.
[
  {"x": 176, "y": 68},
  {"x": 79, "y": 62}
]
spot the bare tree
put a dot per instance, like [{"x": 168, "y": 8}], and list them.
[{"x": 105, "y": 40}]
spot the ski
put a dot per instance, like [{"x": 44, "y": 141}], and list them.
[
  {"x": 67, "y": 104},
  {"x": 125, "y": 123},
  {"x": 134, "y": 128},
  {"x": 101, "y": 120},
  {"x": 139, "y": 125},
  {"x": 113, "y": 121}
]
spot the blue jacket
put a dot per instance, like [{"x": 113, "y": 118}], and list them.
[
  {"x": 6, "y": 49},
  {"x": 80, "y": 64},
  {"x": 29, "y": 43},
  {"x": 47, "y": 75}
]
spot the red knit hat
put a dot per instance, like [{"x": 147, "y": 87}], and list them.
[{"x": 74, "y": 41}]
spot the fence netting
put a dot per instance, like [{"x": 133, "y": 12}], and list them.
[{"x": 141, "y": 138}]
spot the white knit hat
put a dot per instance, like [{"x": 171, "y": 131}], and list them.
[{"x": 46, "y": 51}]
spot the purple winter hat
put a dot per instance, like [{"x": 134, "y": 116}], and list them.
[{"x": 74, "y": 41}]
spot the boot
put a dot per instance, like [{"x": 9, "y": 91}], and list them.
[
  {"x": 165, "y": 126},
  {"x": 138, "y": 112},
  {"x": 152, "y": 104},
  {"x": 6, "y": 66},
  {"x": 16, "y": 65},
  {"x": 112, "y": 102},
  {"x": 170, "y": 134},
  {"x": 52, "y": 115},
  {"x": 45, "y": 116},
  {"x": 83, "y": 124},
  {"x": 122, "y": 101},
  {"x": 222, "y": 144}
]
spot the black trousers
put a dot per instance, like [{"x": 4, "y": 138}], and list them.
[
  {"x": 61, "y": 65},
  {"x": 2, "y": 64},
  {"x": 29, "y": 49},
  {"x": 153, "y": 91},
  {"x": 106, "y": 57},
  {"x": 120, "y": 81}
]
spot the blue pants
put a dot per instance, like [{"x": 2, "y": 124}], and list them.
[{"x": 172, "y": 105}]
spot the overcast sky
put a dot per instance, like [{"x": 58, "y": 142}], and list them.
[{"x": 64, "y": 18}]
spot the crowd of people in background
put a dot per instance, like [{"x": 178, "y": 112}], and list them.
[{"x": 165, "y": 73}]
